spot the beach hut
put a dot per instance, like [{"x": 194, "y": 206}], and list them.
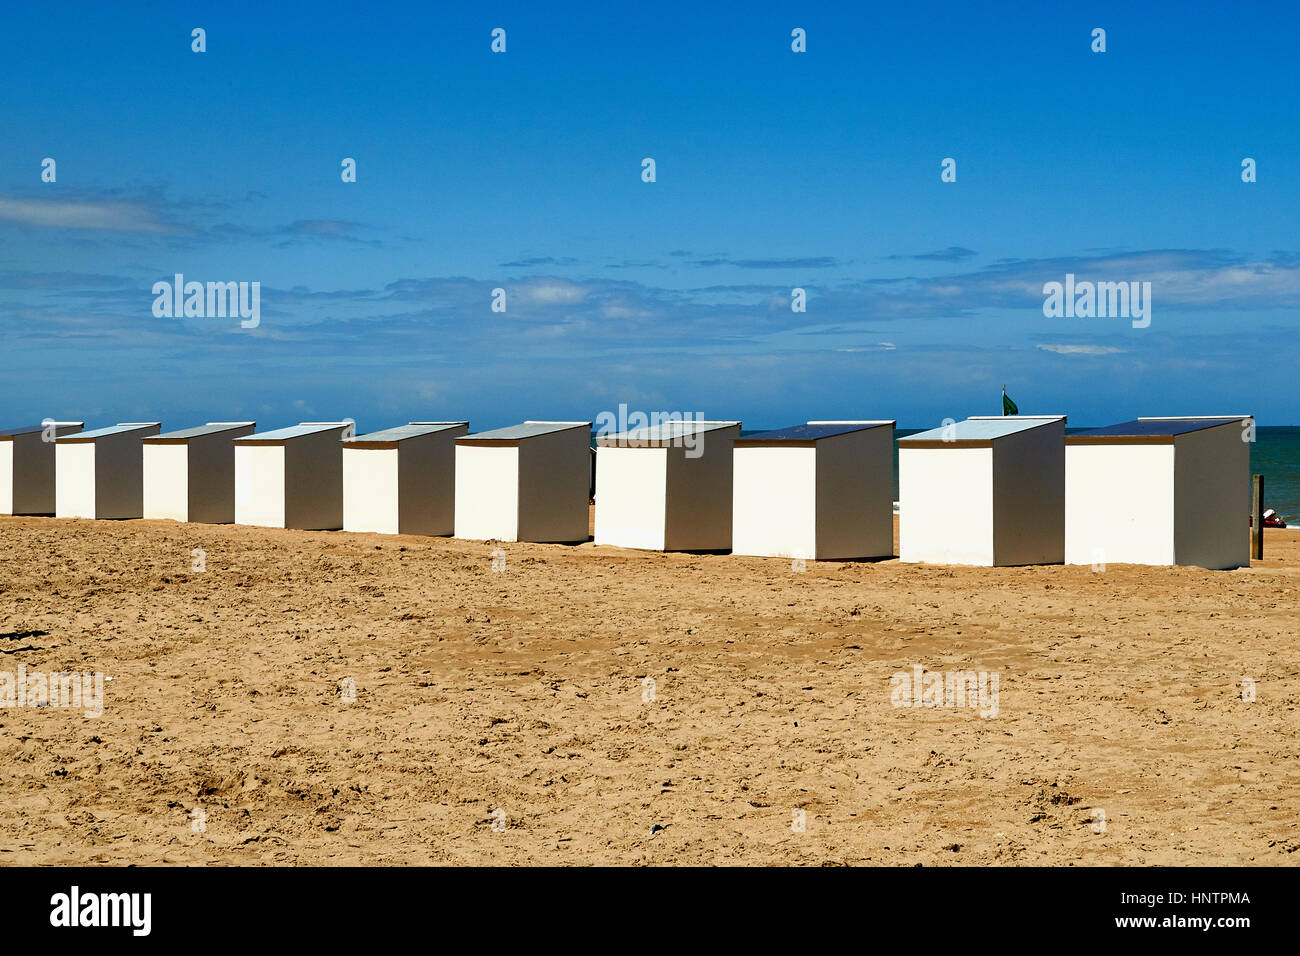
[
  {"x": 402, "y": 480},
  {"x": 821, "y": 490},
  {"x": 1159, "y": 491},
  {"x": 528, "y": 482},
  {"x": 987, "y": 491},
  {"x": 27, "y": 467},
  {"x": 189, "y": 475},
  {"x": 100, "y": 473},
  {"x": 291, "y": 477},
  {"x": 666, "y": 487}
]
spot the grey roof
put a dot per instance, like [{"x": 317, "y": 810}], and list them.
[
  {"x": 293, "y": 431},
  {"x": 121, "y": 429},
  {"x": 666, "y": 431},
  {"x": 1157, "y": 427},
  {"x": 810, "y": 431},
  {"x": 526, "y": 430},
  {"x": 979, "y": 429},
  {"x": 29, "y": 429},
  {"x": 20, "y": 430},
  {"x": 413, "y": 430},
  {"x": 198, "y": 431}
]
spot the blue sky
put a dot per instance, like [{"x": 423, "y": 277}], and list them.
[{"x": 522, "y": 170}]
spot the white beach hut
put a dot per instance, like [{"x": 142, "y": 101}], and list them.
[
  {"x": 666, "y": 487},
  {"x": 402, "y": 480},
  {"x": 189, "y": 475},
  {"x": 987, "y": 491},
  {"x": 291, "y": 477},
  {"x": 100, "y": 473},
  {"x": 822, "y": 490},
  {"x": 27, "y": 467},
  {"x": 1159, "y": 491},
  {"x": 528, "y": 482}
]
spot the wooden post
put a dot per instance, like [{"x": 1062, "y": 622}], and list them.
[{"x": 1257, "y": 517}]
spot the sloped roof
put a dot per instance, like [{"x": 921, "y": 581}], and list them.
[
  {"x": 663, "y": 433},
  {"x": 524, "y": 430},
  {"x": 1150, "y": 428},
  {"x": 402, "y": 432},
  {"x": 94, "y": 433},
  {"x": 980, "y": 429},
  {"x": 198, "y": 431},
  {"x": 809, "y": 432},
  {"x": 293, "y": 431},
  {"x": 20, "y": 430}
]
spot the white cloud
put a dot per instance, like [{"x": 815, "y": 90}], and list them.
[
  {"x": 552, "y": 292},
  {"x": 56, "y": 214},
  {"x": 1081, "y": 349},
  {"x": 878, "y": 347}
]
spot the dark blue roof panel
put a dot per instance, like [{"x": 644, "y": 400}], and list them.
[
  {"x": 200, "y": 431},
  {"x": 1154, "y": 427},
  {"x": 20, "y": 430},
  {"x": 812, "y": 431}
]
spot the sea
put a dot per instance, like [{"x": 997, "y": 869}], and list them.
[{"x": 1276, "y": 456}]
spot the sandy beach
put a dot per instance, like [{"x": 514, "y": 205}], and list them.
[{"x": 505, "y": 717}]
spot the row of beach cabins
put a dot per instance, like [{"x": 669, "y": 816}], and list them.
[{"x": 989, "y": 491}]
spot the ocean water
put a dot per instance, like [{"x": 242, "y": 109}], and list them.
[{"x": 1276, "y": 456}]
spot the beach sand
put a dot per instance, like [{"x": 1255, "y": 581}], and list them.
[{"x": 521, "y": 690}]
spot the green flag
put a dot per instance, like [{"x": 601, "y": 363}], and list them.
[{"x": 1008, "y": 406}]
